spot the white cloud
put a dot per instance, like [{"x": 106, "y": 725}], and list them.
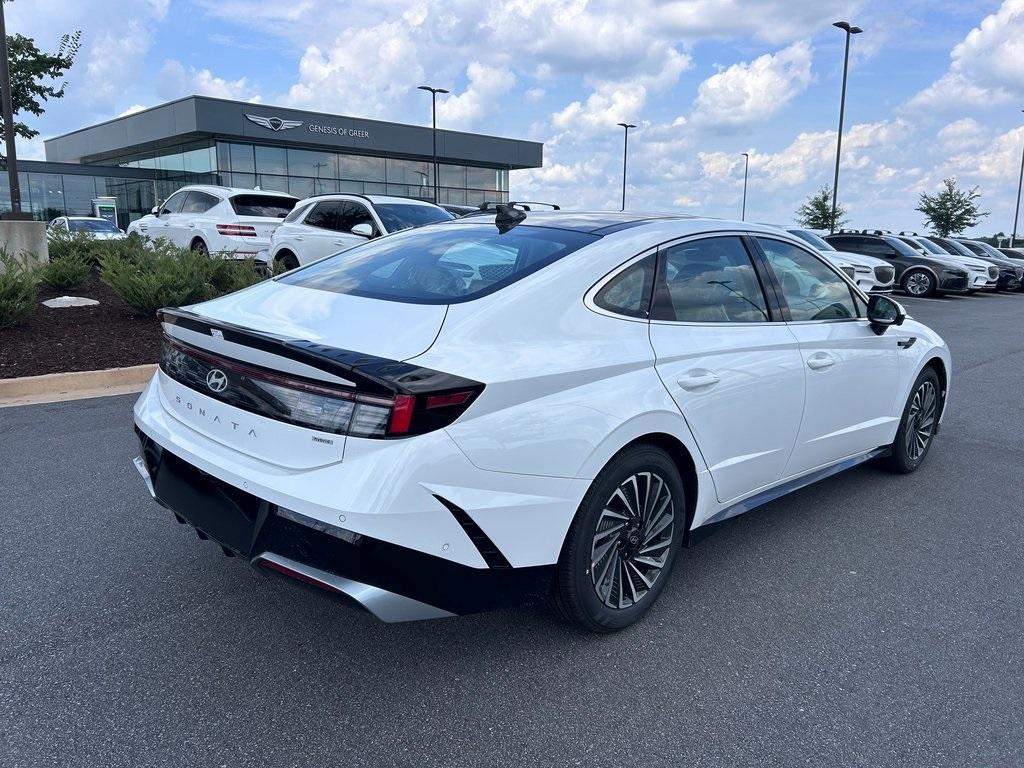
[
  {"x": 486, "y": 86},
  {"x": 962, "y": 134},
  {"x": 753, "y": 91},
  {"x": 112, "y": 63},
  {"x": 987, "y": 66},
  {"x": 535, "y": 94},
  {"x": 998, "y": 160},
  {"x": 174, "y": 81}
]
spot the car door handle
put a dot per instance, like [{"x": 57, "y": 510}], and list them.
[
  {"x": 820, "y": 361},
  {"x": 299, "y": 238},
  {"x": 906, "y": 343},
  {"x": 697, "y": 380},
  {"x": 340, "y": 242}
]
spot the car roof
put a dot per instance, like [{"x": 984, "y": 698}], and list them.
[
  {"x": 229, "y": 191},
  {"x": 83, "y": 218},
  {"x": 375, "y": 199}
]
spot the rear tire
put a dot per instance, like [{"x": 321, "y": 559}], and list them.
[
  {"x": 623, "y": 543},
  {"x": 200, "y": 247},
  {"x": 287, "y": 261},
  {"x": 919, "y": 283},
  {"x": 916, "y": 432}
]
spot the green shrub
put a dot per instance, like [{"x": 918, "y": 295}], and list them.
[
  {"x": 17, "y": 289},
  {"x": 75, "y": 245},
  {"x": 126, "y": 248},
  {"x": 228, "y": 275},
  {"x": 162, "y": 276},
  {"x": 64, "y": 273}
]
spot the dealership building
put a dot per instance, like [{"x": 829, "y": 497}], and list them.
[{"x": 143, "y": 157}]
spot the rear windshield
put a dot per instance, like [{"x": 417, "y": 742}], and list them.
[
  {"x": 440, "y": 265},
  {"x": 271, "y": 206},
  {"x": 398, "y": 216},
  {"x": 91, "y": 225}
]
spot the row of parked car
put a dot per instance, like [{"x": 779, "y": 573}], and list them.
[{"x": 279, "y": 229}]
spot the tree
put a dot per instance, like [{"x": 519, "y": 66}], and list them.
[
  {"x": 952, "y": 210},
  {"x": 816, "y": 211},
  {"x": 34, "y": 75}
]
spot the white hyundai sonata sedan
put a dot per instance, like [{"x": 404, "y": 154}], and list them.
[{"x": 501, "y": 408}]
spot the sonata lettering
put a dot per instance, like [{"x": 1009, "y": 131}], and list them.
[{"x": 189, "y": 406}]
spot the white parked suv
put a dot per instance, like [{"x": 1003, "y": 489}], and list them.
[
  {"x": 466, "y": 415},
  {"x": 326, "y": 224},
  {"x": 224, "y": 220},
  {"x": 93, "y": 226},
  {"x": 870, "y": 274}
]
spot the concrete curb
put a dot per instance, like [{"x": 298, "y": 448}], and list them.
[{"x": 53, "y": 387}]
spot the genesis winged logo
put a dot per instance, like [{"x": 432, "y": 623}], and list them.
[
  {"x": 274, "y": 123},
  {"x": 217, "y": 380}
]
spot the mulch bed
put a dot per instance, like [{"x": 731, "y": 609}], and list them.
[{"x": 79, "y": 338}]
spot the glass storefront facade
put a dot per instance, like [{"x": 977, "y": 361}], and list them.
[
  {"x": 49, "y": 195},
  {"x": 300, "y": 172},
  {"x": 304, "y": 172}
]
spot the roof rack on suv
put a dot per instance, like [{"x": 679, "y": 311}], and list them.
[
  {"x": 908, "y": 233},
  {"x": 875, "y": 232},
  {"x": 523, "y": 204},
  {"x": 848, "y": 232}
]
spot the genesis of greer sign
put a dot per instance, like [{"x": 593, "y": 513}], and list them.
[{"x": 278, "y": 124}]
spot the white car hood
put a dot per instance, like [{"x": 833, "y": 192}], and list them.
[{"x": 388, "y": 329}]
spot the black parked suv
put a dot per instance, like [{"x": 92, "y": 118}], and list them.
[
  {"x": 1011, "y": 273},
  {"x": 916, "y": 273}
]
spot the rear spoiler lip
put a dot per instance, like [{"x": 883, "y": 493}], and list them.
[{"x": 371, "y": 374}]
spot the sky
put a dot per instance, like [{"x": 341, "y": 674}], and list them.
[{"x": 935, "y": 88}]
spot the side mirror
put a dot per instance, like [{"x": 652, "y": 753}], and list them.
[
  {"x": 363, "y": 230},
  {"x": 155, "y": 210},
  {"x": 883, "y": 312}
]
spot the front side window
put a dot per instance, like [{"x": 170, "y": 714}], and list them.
[
  {"x": 198, "y": 202},
  {"x": 811, "y": 289},
  {"x": 323, "y": 216},
  {"x": 709, "y": 281},
  {"x": 173, "y": 203},
  {"x": 629, "y": 292},
  {"x": 350, "y": 214},
  {"x": 440, "y": 265}
]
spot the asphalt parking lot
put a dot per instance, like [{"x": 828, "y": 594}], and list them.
[{"x": 868, "y": 620}]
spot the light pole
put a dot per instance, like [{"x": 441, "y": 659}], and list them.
[
  {"x": 1016, "y": 211},
  {"x": 746, "y": 166},
  {"x": 8, "y": 116},
  {"x": 433, "y": 117},
  {"x": 850, "y": 30},
  {"x": 317, "y": 183},
  {"x": 625, "y": 146}
]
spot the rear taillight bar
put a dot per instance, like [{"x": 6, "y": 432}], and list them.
[
  {"x": 237, "y": 230},
  {"x": 316, "y": 405}
]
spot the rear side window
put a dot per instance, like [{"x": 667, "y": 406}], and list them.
[
  {"x": 709, "y": 281},
  {"x": 629, "y": 292},
  {"x": 270, "y": 206},
  {"x": 296, "y": 213},
  {"x": 440, "y": 265}
]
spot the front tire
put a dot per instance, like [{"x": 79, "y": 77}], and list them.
[
  {"x": 917, "y": 427},
  {"x": 918, "y": 283},
  {"x": 623, "y": 543}
]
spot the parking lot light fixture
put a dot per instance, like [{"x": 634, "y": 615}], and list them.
[
  {"x": 850, "y": 30},
  {"x": 433, "y": 118},
  {"x": 1016, "y": 210},
  {"x": 746, "y": 167},
  {"x": 625, "y": 146}
]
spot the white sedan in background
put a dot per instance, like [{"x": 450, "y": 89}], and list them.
[
  {"x": 93, "y": 226},
  {"x": 870, "y": 274},
  {"x": 326, "y": 224}
]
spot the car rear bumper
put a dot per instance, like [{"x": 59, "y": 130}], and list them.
[{"x": 392, "y": 582}]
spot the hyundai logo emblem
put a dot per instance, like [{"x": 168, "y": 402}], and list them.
[{"x": 217, "y": 380}]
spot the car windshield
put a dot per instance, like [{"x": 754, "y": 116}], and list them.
[
  {"x": 398, "y": 216},
  {"x": 812, "y": 239},
  {"x": 901, "y": 248},
  {"x": 954, "y": 248},
  {"x": 91, "y": 225},
  {"x": 270, "y": 206},
  {"x": 440, "y": 265},
  {"x": 989, "y": 250}
]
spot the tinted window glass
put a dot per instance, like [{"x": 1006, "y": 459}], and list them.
[
  {"x": 91, "y": 225},
  {"x": 629, "y": 292},
  {"x": 173, "y": 203},
  {"x": 900, "y": 247},
  {"x": 198, "y": 202},
  {"x": 440, "y": 265},
  {"x": 811, "y": 289},
  {"x": 709, "y": 281},
  {"x": 271, "y": 206},
  {"x": 296, "y": 214},
  {"x": 324, "y": 216},
  {"x": 813, "y": 239},
  {"x": 929, "y": 246},
  {"x": 396, "y": 216},
  {"x": 350, "y": 214}
]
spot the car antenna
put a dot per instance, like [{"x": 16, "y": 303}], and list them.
[{"x": 507, "y": 217}]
